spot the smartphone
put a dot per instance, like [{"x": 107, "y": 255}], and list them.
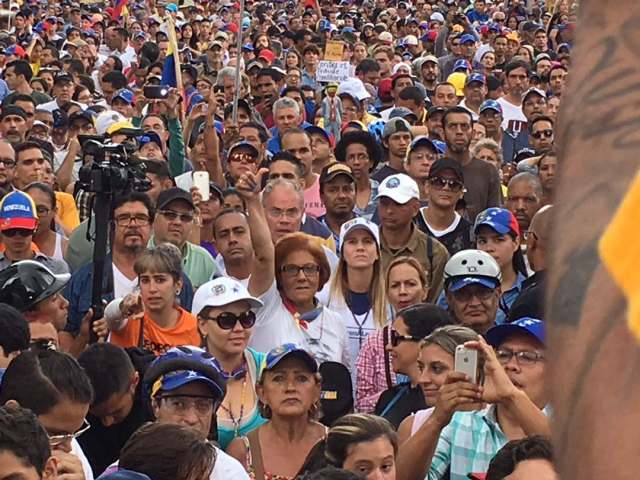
[
  {"x": 201, "y": 182},
  {"x": 218, "y": 89},
  {"x": 466, "y": 361},
  {"x": 156, "y": 92}
]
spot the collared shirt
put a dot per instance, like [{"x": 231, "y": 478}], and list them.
[
  {"x": 468, "y": 444},
  {"x": 197, "y": 263},
  {"x": 308, "y": 79},
  {"x": 371, "y": 377},
  {"x": 418, "y": 247},
  {"x": 53, "y": 264},
  {"x": 508, "y": 297}
]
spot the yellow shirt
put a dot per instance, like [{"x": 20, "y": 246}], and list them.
[{"x": 67, "y": 210}]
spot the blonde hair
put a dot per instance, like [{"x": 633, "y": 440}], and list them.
[
  {"x": 377, "y": 295},
  {"x": 412, "y": 262},
  {"x": 163, "y": 258}
]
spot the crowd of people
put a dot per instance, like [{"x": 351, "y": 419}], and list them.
[{"x": 297, "y": 261}]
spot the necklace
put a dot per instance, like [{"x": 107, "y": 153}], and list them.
[{"x": 236, "y": 421}]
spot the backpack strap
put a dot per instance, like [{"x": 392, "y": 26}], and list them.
[
  {"x": 254, "y": 454},
  {"x": 430, "y": 258}
]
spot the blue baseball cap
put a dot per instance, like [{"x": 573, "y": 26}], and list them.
[
  {"x": 466, "y": 38},
  {"x": 422, "y": 141},
  {"x": 311, "y": 129},
  {"x": 149, "y": 137},
  {"x": 476, "y": 77},
  {"x": 125, "y": 95},
  {"x": 527, "y": 325},
  {"x": 18, "y": 210},
  {"x": 247, "y": 47},
  {"x": 500, "y": 219},
  {"x": 461, "y": 282},
  {"x": 491, "y": 105},
  {"x": 461, "y": 64},
  {"x": 440, "y": 146},
  {"x": 124, "y": 474},
  {"x": 171, "y": 7},
  {"x": 277, "y": 354}
]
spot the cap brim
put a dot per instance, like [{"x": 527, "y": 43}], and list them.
[
  {"x": 466, "y": 281},
  {"x": 333, "y": 175},
  {"x": 496, "y": 335},
  {"x": 298, "y": 353},
  {"x": 396, "y": 197},
  {"x": 18, "y": 223},
  {"x": 177, "y": 381},
  {"x": 498, "y": 227},
  {"x": 252, "y": 301}
]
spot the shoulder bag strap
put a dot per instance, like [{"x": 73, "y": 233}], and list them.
[
  {"x": 256, "y": 454},
  {"x": 387, "y": 362}
]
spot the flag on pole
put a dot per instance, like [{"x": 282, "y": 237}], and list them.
[
  {"x": 171, "y": 73},
  {"x": 119, "y": 10}
]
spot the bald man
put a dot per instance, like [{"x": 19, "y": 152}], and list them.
[
  {"x": 524, "y": 198},
  {"x": 530, "y": 302}
]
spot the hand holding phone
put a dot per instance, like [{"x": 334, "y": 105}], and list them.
[
  {"x": 201, "y": 182},
  {"x": 466, "y": 361}
]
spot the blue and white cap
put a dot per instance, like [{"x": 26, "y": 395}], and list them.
[
  {"x": 527, "y": 325},
  {"x": 220, "y": 292},
  {"x": 359, "y": 222},
  {"x": 400, "y": 188}
]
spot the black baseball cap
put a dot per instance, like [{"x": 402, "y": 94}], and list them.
[
  {"x": 446, "y": 164},
  {"x": 333, "y": 170},
  {"x": 168, "y": 196}
]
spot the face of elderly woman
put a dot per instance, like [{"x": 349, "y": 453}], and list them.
[
  {"x": 300, "y": 278},
  {"x": 290, "y": 389}
]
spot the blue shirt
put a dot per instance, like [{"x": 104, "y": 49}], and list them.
[{"x": 309, "y": 80}]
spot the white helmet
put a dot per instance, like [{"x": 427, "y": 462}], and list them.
[{"x": 472, "y": 263}]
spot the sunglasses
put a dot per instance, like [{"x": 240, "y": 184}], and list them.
[
  {"x": 22, "y": 232},
  {"x": 440, "y": 183},
  {"x": 171, "y": 216},
  {"x": 395, "y": 338},
  {"x": 227, "y": 320},
  {"x": 542, "y": 133}
]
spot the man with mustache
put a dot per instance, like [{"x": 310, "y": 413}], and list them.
[
  {"x": 132, "y": 218},
  {"x": 13, "y": 124}
]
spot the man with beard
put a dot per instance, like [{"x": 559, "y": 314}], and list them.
[
  {"x": 232, "y": 236},
  {"x": 7, "y": 165},
  {"x": 130, "y": 232},
  {"x": 480, "y": 178},
  {"x": 475, "y": 91},
  {"x": 13, "y": 124},
  {"x": 428, "y": 68},
  {"x": 269, "y": 82},
  {"x": 524, "y": 198},
  {"x": 517, "y": 81}
]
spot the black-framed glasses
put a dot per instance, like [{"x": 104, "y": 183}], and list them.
[
  {"x": 171, "y": 216},
  {"x": 8, "y": 162},
  {"x": 440, "y": 183},
  {"x": 228, "y": 320},
  {"x": 21, "y": 232},
  {"x": 523, "y": 357},
  {"x": 395, "y": 338},
  {"x": 465, "y": 294},
  {"x": 125, "y": 220},
  {"x": 548, "y": 133},
  {"x": 55, "y": 440},
  {"x": 309, "y": 270}
]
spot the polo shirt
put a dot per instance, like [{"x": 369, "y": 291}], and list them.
[{"x": 417, "y": 247}]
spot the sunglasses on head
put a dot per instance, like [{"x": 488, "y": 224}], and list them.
[
  {"x": 228, "y": 320},
  {"x": 440, "y": 183},
  {"x": 395, "y": 338}
]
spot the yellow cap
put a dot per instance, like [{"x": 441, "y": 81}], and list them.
[
  {"x": 119, "y": 126},
  {"x": 457, "y": 79}
]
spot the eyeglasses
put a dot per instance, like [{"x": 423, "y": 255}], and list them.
[
  {"x": 21, "y": 232},
  {"x": 291, "y": 213},
  {"x": 395, "y": 338},
  {"x": 309, "y": 270},
  {"x": 523, "y": 357},
  {"x": 55, "y": 440},
  {"x": 542, "y": 133},
  {"x": 465, "y": 294},
  {"x": 125, "y": 220},
  {"x": 8, "y": 162},
  {"x": 181, "y": 404},
  {"x": 228, "y": 320},
  {"x": 171, "y": 216},
  {"x": 440, "y": 183}
]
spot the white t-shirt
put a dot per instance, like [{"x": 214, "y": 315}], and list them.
[
  {"x": 325, "y": 337},
  {"x": 513, "y": 120},
  {"x": 122, "y": 286},
  {"x": 440, "y": 233},
  {"x": 76, "y": 449}
]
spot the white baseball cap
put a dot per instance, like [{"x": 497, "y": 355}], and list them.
[
  {"x": 400, "y": 188},
  {"x": 107, "y": 119},
  {"x": 220, "y": 292},
  {"x": 385, "y": 37},
  {"x": 354, "y": 87},
  {"x": 359, "y": 222},
  {"x": 437, "y": 17},
  {"x": 411, "y": 40}
]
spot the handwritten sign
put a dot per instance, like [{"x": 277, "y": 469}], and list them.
[
  {"x": 333, "y": 51},
  {"x": 333, "y": 71}
]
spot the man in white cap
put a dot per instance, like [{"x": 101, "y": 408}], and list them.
[{"x": 398, "y": 203}]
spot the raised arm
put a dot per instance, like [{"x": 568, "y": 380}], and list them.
[
  {"x": 263, "y": 272},
  {"x": 212, "y": 146}
]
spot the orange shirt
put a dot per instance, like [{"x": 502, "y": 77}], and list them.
[{"x": 157, "y": 339}]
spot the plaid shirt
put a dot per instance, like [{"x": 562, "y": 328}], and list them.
[
  {"x": 371, "y": 379},
  {"x": 467, "y": 444}
]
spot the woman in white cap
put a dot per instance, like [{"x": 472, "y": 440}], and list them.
[
  {"x": 226, "y": 315},
  {"x": 357, "y": 288},
  {"x": 289, "y": 392}
]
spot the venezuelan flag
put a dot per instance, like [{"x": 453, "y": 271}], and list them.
[
  {"x": 171, "y": 74},
  {"x": 120, "y": 9}
]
